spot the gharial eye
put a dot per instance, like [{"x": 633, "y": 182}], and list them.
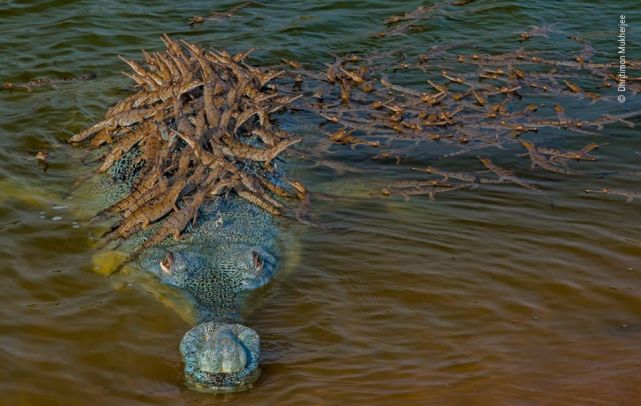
[
  {"x": 258, "y": 261},
  {"x": 167, "y": 263}
]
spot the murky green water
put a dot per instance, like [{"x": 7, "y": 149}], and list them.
[{"x": 487, "y": 296}]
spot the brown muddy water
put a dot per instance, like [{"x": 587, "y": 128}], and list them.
[{"x": 492, "y": 296}]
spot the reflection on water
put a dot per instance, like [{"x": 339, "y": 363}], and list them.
[{"x": 487, "y": 296}]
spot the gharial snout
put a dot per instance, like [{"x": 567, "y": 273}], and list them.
[{"x": 220, "y": 357}]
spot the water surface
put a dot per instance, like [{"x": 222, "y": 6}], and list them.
[{"x": 486, "y": 296}]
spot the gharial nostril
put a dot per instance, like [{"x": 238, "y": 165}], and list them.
[{"x": 220, "y": 357}]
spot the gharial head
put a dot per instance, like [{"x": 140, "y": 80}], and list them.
[{"x": 220, "y": 357}]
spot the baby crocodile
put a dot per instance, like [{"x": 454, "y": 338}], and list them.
[
  {"x": 506, "y": 175},
  {"x": 469, "y": 177},
  {"x": 629, "y": 196},
  {"x": 580, "y": 155},
  {"x": 538, "y": 159},
  {"x": 44, "y": 82}
]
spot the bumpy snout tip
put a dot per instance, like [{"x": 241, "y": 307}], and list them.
[{"x": 220, "y": 357}]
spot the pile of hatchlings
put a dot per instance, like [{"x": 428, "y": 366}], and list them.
[{"x": 199, "y": 126}]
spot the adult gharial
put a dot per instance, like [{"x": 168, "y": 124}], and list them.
[{"x": 188, "y": 176}]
